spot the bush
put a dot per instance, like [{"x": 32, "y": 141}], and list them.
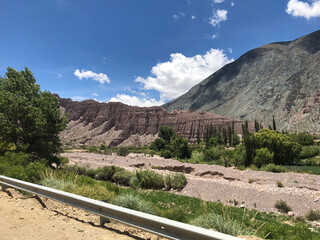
[
  {"x": 122, "y": 177},
  {"x": 282, "y": 206},
  {"x": 158, "y": 144},
  {"x": 263, "y": 157},
  {"x": 133, "y": 202},
  {"x": 149, "y": 179},
  {"x": 280, "y": 184},
  {"x": 57, "y": 181},
  {"x": 166, "y": 154},
  {"x": 18, "y": 165},
  {"x": 309, "y": 152},
  {"x": 105, "y": 173},
  {"x": 93, "y": 149},
  {"x": 273, "y": 168},
  {"x": 313, "y": 215},
  {"x": 303, "y": 139},
  {"x": 223, "y": 224},
  {"x": 175, "y": 181},
  {"x": 97, "y": 192},
  {"x": 122, "y": 151},
  {"x": 211, "y": 155},
  {"x": 239, "y": 156},
  {"x": 112, "y": 187}
]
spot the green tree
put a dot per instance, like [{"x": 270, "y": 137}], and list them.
[
  {"x": 181, "y": 148},
  {"x": 166, "y": 133},
  {"x": 249, "y": 143},
  {"x": 263, "y": 157},
  {"x": 285, "y": 150},
  {"x": 158, "y": 144},
  {"x": 29, "y": 118},
  {"x": 304, "y": 139},
  {"x": 274, "y": 124}
]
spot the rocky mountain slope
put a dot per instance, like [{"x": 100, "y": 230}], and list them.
[
  {"x": 94, "y": 123},
  {"x": 280, "y": 79}
]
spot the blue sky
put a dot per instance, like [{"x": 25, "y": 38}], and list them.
[{"x": 140, "y": 52}]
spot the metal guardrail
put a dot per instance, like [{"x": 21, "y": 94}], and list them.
[{"x": 150, "y": 223}]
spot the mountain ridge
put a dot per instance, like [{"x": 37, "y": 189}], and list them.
[{"x": 279, "y": 79}]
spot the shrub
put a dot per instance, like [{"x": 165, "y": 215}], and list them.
[
  {"x": 122, "y": 151},
  {"x": 166, "y": 154},
  {"x": 175, "y": 181},
  {"x": 134, "y": 182},
  {"x": 97, "y": 192},
  {"x": 223, "y": 224},
  {"x": 158, "y": 144},
  {"x": 303, "y": 139},
  {"x": 149, "y": 179},
  {"x": 57, "y": 181},
  {"x": 263, "y": 157},
  {"x": 251, "y": 180},
  {"x": 273, "y": 168},
  {"x": 282, "y": 206},
  {"x": 211, "y": 154},
  {"x": 93, "y": 149},
  {"x": 122, "y": 177},
  {"x": 18, "y": 165},
  {"x": 280, "y": 184},
  {"x": 112, "y": 187},
  {"x": 309, "y": 152},
  {"x": 105, "y": 173},
  {"x": 313, "y": 215},
  {"x": 131, "y": 201}
]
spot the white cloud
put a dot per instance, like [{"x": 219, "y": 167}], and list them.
[
  {"x": 215, "y": 35},
  {"x": 95, "y": 94},
  {"x": 230, "y": 50},
  {"x": 188, "y": 1},
  {"x": 218, "y": 1},
  {"x": 193, "y": 17},
  {"x": 180, "y": 14},
  {"x": 180, "y": 73},
  {"x": 232, "y": 4},
  {"x": 298, "y": 8},
  {"x": 100, "y": 77},
  {"x": 78, "y": 98},
  {"x": 59, "y": 75},
  {"x": 135, "y": 101},
  {"x": 218, "y": 16}
]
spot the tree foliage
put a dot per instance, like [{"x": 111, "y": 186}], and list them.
[
  {"x": 166, "y": 133},
  {"x": 29, "y": 118},
  {"x": 285, "y": 150}
]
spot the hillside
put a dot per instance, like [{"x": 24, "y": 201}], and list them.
[
  {"x": 280, "y": 79},
  {"x": 94, "y": 123}
]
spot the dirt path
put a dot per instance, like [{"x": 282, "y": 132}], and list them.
[
  {"x": 251, "y": 189},
  {"x": 25, "y": 218}
]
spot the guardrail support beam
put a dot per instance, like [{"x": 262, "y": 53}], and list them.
[
  {"x": 4, "y": 187},
  {"x": 103, "y": 221}
]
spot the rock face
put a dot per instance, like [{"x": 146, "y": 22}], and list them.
[
  {"x": 280, "y": 79},
  {"x": 94, "y": 123}
]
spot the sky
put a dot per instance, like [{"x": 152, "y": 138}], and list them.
[{"x": 140, "y": 52}]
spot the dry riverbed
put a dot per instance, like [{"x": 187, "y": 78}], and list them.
[{"x": 252, "y": 189}]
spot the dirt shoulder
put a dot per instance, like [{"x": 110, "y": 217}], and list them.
[
  {"x": 25, "y": 218},
  {"x": 251, "y": 189}
]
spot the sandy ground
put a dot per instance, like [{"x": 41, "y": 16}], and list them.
[
  {"x": 227, "y": 185},
  {"x": 24, "y": 218}
]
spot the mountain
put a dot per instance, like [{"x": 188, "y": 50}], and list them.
[
  {"x": 94, "y": 123},
  {"x": 280, "y": 79}
]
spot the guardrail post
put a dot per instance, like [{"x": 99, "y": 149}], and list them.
[
  {"x": 4, "y": 187},
  {"x": 103, "y": 221}
]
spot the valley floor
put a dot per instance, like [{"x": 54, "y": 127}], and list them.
[{"x": 252, "y": 189}]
